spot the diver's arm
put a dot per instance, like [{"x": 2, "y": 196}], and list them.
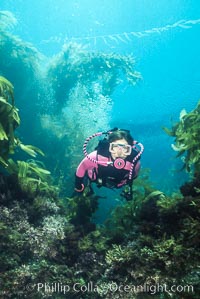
[
  {"x": 136, "y": 170},
  {"x": 79, "y": 186},
  {"x": 83, "y": 167}
]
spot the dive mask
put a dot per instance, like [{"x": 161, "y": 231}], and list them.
[{"x": 125, "y": 148}]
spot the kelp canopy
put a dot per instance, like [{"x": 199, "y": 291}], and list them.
[{"x": 74, "y": 66}]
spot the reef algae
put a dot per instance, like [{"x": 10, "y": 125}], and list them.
[
  {"x": 40, "y": 245},
  {"x": 143, "y": 249}
]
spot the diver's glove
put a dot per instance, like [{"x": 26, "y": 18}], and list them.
[
  {"x": 80, "y": 189},
  {"x": 127, "y": 194},
  {"x": 79, "y": 186}
]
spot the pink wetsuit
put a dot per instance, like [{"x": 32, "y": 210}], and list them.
[{"x": 95, "y": 170}]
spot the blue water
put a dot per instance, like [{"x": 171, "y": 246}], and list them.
[{"x": 162, "y": 35}]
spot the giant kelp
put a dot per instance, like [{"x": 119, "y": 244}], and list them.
[
  {"x": 19, "y": 59},
  {"x": 9, "y": 120},
  {"x": 20, "y": 64},
  {"x": 186, "y": 133},
  {"x": 74, "y": 65},
  {"x": 30, "y": 174}
]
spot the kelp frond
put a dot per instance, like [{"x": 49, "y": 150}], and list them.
[
  {"x": 3, "y": 135},
  {"x": 187, "y": 142},
  {"x": 27, "y": 168},
  {"x": 6, "y": 89},
  {"x": 9, "y": 121},
  {"x": 31, "y": 150},
  {"x": 3, "y": 162},
  {"x": 31, "y": 176}
]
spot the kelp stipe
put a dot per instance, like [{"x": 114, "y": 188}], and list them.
[{"x": 124, "y": 37}]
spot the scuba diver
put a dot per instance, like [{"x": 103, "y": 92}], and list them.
[{"x": 114, "y": 163}]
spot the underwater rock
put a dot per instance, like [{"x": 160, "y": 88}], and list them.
[{"x": 191, "y": 188}]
